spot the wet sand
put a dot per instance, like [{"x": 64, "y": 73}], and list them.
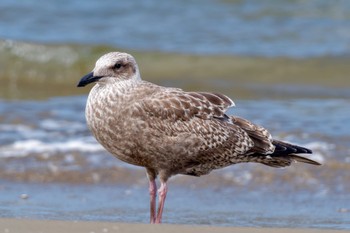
[{"x": 35, "y": 226}]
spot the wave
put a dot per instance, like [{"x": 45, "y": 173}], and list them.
[
  {"x": 30, "y": 147},
  {"x": 37, "y": 71}
]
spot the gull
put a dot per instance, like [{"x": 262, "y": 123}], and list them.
[{"x": 169, "y": 131}]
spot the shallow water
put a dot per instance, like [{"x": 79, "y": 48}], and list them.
[
  {"x": 220, "y": 207},
  {"x": 58, "y": 124},
  {"x": 245, "y": 27},
  {"x": 47, "y": 152}
]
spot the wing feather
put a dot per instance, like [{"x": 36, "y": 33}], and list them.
[
  {"x": 261, "y": 137},
  {"x": 176, "y": 104},
  {"x": 196, "y": 115}
]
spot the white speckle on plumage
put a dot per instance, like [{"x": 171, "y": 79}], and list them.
[{"x": 169, "y": 131}]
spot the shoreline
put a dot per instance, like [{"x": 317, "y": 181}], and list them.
[{"x": 53, "y": 226}]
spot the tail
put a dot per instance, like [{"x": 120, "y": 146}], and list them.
[{"x": 285, "y": 153}]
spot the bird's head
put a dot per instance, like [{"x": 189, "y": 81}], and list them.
[{"x": 112, "y": 67}]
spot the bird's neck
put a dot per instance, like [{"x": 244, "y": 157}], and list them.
[
  {"x": 124, "y": 86},
  {"x": 118, "y": 88}
]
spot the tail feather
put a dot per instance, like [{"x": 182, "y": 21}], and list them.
[
  {"x": 285, "y": 153},
  {"x": 304, "y": 160}
]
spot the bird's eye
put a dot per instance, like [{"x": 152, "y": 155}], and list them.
[{"x": 117, "y": 66}]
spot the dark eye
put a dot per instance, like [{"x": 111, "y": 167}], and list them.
[{"x": 117, "y": 66}]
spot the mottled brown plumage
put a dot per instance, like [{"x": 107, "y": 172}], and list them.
[{"x": 169, "y": 131}]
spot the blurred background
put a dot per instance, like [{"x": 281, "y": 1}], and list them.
[{"x": 284, "y": 63}]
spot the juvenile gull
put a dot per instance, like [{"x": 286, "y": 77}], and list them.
[{"x": 169, "y": 131}]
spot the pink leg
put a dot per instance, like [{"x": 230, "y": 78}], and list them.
[
  {"x": 153, "y": 195},
  {"x": 162, "y": 195}
]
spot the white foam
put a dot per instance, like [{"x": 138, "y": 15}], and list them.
[
  {"x": 320, "y": 146},
  {"x": 27, "y": 147},
  {"x": 319, "y": 150},
  {"x": 22, "y": 131},
  {"x": 242, "y": 177},
  {"x": 17, "y": 128},
  {"x": 50, "y": 124},
  {"x": 41, "y": 53}
]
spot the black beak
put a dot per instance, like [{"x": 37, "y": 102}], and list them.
[{"x": 89, "y": 78}]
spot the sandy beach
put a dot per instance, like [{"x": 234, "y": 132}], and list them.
[{"x": 35, "y": 226}]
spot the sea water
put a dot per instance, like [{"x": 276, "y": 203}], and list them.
[{"x": 47, "y": 149}]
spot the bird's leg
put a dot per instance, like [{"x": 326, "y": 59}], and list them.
[
  {"x": 162, "y": 191},
  {"x": 153, "y": 195}
]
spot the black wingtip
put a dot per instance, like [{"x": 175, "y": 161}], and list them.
[
  {"x": 289, "y": 150},
  {"x": 283, "y": 148}
]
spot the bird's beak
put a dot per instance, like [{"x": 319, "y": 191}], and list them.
[{"x": 89, "y": 78}]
